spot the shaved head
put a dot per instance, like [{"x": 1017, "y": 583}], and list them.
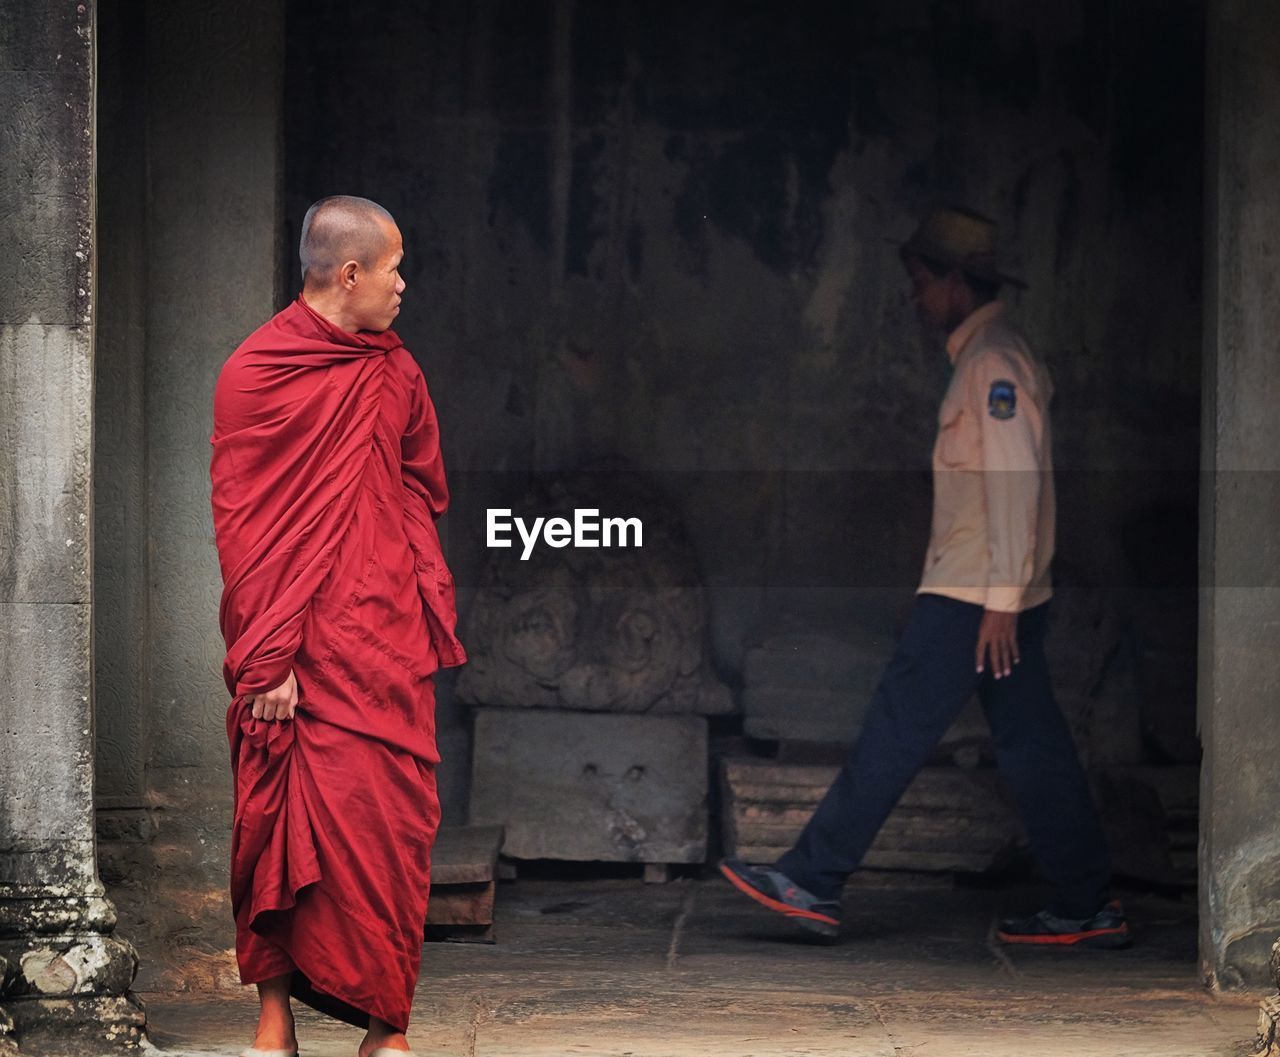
[{"x": 338, "y": 229}]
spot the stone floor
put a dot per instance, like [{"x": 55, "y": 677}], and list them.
[{"x": 615, "y": 968}]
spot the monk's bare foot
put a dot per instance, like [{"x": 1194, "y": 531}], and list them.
[
  {"x": 382, "y": 1036},
  {"x": 276, "y": 1041}
]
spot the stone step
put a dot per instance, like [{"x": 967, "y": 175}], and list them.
[
  {"x": 948, "y": 819},
  {"x": 464, "y": 875}
]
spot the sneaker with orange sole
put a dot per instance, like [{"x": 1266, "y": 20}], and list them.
[
  {"x": 1107, "y": 929},
  {"x": 777, "y": 892}
]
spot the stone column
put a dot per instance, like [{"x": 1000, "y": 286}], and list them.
[
  {"x": 1240, "y": 499},
  {"x": 65, "y": 977}
]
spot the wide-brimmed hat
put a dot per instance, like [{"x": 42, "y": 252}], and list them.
[{"x": 962, "y": 238}]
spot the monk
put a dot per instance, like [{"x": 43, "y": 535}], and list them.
[{"x": 337, "y": 610}]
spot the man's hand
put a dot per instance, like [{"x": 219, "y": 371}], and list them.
[
  {"x": 280, "y": 703},
  {"x": 998, "y": 636}
]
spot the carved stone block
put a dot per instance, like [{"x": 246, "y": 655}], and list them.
[
  {"x": 583, "y": 787},
  {"x": 79, "y": 965},
  {"x": 1265, "y": 1043},
  {"x": 598, "y": 630}
]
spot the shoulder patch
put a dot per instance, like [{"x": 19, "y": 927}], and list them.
[{"x": 1002, "y": 400}]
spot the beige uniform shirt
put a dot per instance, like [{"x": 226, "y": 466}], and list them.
[{"x": 993, "y": 501}]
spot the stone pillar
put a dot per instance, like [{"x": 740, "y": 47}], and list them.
[
  {"x": 1240, "y": 499},
  {"x": 64, "y": 975}
]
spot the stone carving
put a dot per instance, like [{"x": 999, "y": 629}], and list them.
[
  {"x": 605, "y": 630},
  {"x": 80, "y": 966},
  {"x": 577, "y": 786},
  {"x": 1267, "y": 1043}
]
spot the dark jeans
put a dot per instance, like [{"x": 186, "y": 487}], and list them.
[{"x": 923, "y": 690}]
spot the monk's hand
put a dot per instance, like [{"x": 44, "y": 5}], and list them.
[
  {"x": 280, "y": 703},
  {"x": 998, "y": 642}
]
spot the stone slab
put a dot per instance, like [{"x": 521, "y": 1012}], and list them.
[
  {"x": 462, "y": 904},
  {"x": 464, "y": 883},
  {"x": 949, "y": 819},
  {"x": 465, "y": 855},
  {"x": 592, "y": 787}
]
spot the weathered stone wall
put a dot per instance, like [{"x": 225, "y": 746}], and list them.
[
  {"x": 1240, "y": 614},
  {"x": 189, "y": 185},
  {"x": 214, "y": 83},
  {"x": 658, "y": 232}
]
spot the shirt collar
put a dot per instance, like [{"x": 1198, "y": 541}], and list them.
[{"x": 960, "y": 336}]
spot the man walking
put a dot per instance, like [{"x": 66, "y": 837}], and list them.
[
  {"x": 337, "y": 609},
  {"x": 978, "y": 623}
]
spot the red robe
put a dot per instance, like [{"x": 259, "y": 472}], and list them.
[{"x": 327, "y": 480}]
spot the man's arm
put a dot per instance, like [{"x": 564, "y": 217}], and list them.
[{"x": 1011, "y": 435}]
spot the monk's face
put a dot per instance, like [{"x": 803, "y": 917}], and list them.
[{"x": 374, "y": 299}]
